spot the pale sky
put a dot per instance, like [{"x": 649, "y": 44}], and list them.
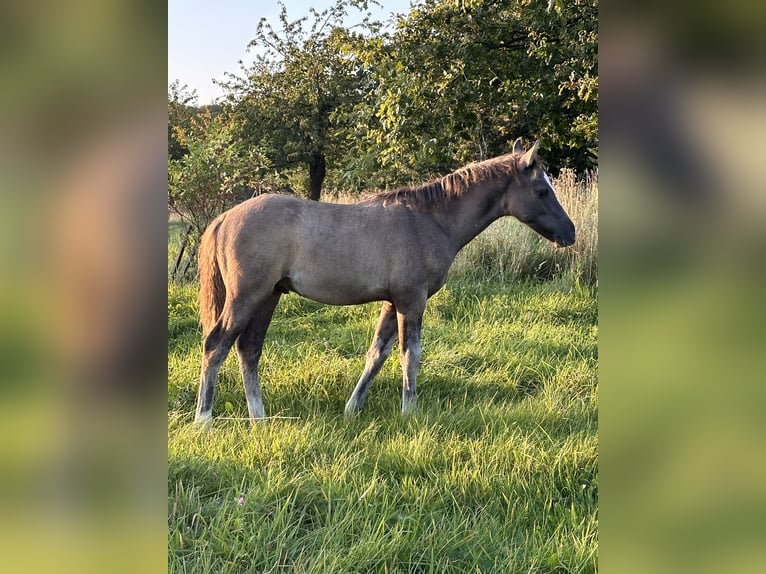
[{"x": 207, "y": 38}]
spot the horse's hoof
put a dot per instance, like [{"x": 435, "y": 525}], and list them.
[
  {"x": 352, "y": 409},
  {"x": 409, "y": 408},
  {"x": 204, "y": 420}
]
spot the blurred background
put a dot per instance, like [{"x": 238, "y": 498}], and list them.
[
  {"x": 682, "y": 113},
  {"x": 82, "y": 298},
  {"x": 83, "y": 284}
]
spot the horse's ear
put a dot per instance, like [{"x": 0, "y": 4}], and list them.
[
  {"x": 527, "y": 159},
  {"x": 517, "y": 146}
]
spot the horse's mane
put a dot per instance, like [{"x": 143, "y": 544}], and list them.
[{"x": 437, "y": 191}]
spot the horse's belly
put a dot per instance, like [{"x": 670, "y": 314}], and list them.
[
  {"x": 334, "y": 283},
  {"x": 337, "y": 292},
  {"x": 341, "y": 266}
]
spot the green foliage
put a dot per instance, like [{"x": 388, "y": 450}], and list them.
[
  {"x": 288, "y": 102},
  {"x": 457, "y": 81},
  {"x": 218, "y": 170},
  {"x": 181, "y": 110},
  {"x": 451, "y": 82}
]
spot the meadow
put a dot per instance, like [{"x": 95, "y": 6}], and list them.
[{"x": 497, "y": 471}]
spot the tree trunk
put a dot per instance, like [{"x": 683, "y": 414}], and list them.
[
  {"x": 317, "y": 171},
  {"x": 189, "y": 260},
  {"x": 174, "y": 274}
]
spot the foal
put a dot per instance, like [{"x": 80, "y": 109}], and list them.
[{"x": 395, "y": 247}]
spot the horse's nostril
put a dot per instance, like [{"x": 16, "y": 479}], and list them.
[{"x": 564, "y": 241}]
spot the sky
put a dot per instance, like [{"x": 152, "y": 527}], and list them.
[{"x": 207, "y": 38}]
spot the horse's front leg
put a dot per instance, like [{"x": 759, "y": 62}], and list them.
[{"x": 410, "y": 320}]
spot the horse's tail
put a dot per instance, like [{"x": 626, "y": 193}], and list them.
[{"x": 212, "y": 291}]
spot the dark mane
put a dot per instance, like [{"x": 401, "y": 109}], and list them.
[{"x": 437, "y": 191}]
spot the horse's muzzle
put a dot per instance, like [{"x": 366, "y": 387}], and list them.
[{"x": 566, "y": 237}]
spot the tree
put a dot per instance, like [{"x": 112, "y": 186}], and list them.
[
  {"x": 451, "y": 82},
  {"x": 457, "y": 81},
  {"x": 218, "y": 171},
  {"x": 287, "y": 102},
  {"x": 181, "y": 110}
]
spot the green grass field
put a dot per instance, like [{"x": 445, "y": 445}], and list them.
[{"x": 497, "y": 472}]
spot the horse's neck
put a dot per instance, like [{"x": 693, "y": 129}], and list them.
[{"x": 464, "y": 217}]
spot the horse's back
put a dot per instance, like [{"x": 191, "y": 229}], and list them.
[{"x": 315, "y": 225}]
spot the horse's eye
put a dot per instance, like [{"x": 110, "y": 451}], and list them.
[{"x": 541, "y": 193}]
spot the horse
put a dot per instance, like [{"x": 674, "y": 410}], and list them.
[{"x": 395, "y": 247}]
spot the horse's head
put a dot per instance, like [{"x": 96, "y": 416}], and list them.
[{"x": 530, "y": 198}]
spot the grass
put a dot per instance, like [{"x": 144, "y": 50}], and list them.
[{"x": 497, "y": 472}]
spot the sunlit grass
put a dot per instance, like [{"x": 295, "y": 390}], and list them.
[{"x": 498, "y": 470}]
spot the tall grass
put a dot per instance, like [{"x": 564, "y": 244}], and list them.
[
  {"x": 509, "y": 250},
  {"x": 497, "y": 472}
]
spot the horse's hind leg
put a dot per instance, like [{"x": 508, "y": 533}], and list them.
[
  {"x": 410, "y": 319},
  {"x": 249, "y": 348},
  {"x": 376, "y": 356},
  {"x": 216, "y": 347}
]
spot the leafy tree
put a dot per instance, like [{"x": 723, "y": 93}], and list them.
[
  {"x": 288, "y": 101},
  {"x": 181, "y": 111},
  {"x": 218, "y": 171},
  {"x": 450, "y": 82},
  {"x": 458, "y": 80}
]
